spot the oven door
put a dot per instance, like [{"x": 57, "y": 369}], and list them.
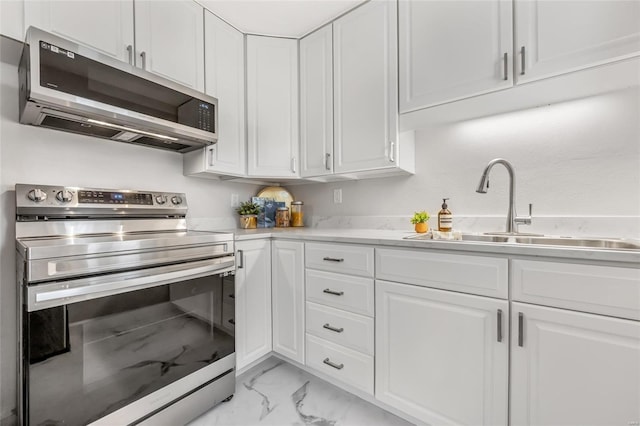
[{"x": 117, "y": 348}]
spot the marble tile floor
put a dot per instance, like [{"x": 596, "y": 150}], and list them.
[{"x": 277, "y": 393}]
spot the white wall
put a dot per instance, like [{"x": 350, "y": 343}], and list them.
[
  {"x": 36, "y": 155},
  {"x": 576, "y": 161}
]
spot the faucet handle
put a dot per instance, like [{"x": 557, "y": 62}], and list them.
[{"x": 525, "y": 220}]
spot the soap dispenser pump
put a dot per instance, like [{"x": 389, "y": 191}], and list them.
[{"x": 445, "y": 218}]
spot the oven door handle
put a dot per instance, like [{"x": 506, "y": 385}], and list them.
[{"x": 60, "y": 293}]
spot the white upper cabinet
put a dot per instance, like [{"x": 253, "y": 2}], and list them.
[
  {"x": 316, "y": 103},
  {"x": 272, "y": 107},
  {"x": 106, "y": 26},
  {"x": 573, "y": 368},
  {"x": 555, "y": 37},
  {"x": 224, "y": 72},
  {"x": 365, "y": 88},
  {"x": 453, "y": 49},
  {"x": 170, "y": 40}
]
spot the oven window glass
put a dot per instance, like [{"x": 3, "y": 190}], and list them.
[
  {"x": 88, "y": 359},
  {"x": 77, "y": 75}
]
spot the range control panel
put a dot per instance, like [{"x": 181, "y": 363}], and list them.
[
  {"x": 70, "y": 201},
  {"x": 109, "y": 197}
]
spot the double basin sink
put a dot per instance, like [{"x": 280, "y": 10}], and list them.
[{"x": 531, "y": 239}]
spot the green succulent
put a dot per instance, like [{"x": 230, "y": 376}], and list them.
[
  {"x": 248, "y": 208},
  {"x": 420, "y": 217}
]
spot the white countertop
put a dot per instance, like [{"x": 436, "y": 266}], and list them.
[{"x": 391, "y": 238}]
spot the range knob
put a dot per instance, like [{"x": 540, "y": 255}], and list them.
[
  {"x": 64, "y": 196},
  {"x": 161, "y": 199},
  {"x": 176, "y": 200},
  {"x": 37, "y": 195}
]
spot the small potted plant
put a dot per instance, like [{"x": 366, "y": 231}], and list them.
[
  {"x": 248, "y": 215},
  {"x": 420, "y": 219}
]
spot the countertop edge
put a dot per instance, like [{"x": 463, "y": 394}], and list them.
[{"x": 394, "y": 239}]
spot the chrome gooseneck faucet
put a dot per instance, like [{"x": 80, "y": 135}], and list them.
[{"x": 513, "y": 220}]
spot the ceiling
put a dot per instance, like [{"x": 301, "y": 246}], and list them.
[{"x": 285, "y": 18}]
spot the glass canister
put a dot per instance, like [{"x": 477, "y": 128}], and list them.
[
  {"x": 282, "y": 217},
  {"x": 297, "y": 215}
]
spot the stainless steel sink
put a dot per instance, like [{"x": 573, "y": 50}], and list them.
[
  {"x": 538, "y": 239},
  {"x": 486, "y": 238},
  {"x": 597, "y": 243}
]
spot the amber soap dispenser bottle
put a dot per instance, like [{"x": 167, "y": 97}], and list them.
[{"x": 445, "y": 218}]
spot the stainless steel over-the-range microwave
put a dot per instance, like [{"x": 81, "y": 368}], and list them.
[{"x": 67, "y": 86}]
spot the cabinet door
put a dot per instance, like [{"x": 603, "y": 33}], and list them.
[
  {"x": 253, "y": 301},
  {"x": 572, "y": 368},
  {"x": 555, "y": 37},
  {"x": 106, "y": 26},
  {"x": 365, "y": 88},
  {"x": 170, "y": 40},
  {"x": 288, "y": 299},
  {"x": 272, "y": 106},
  {"x": 224, "y": 67},
  {"x": 316, "y": 103},
  {"x": 441, "y": 356},
  {"x": 453, "y": 49}
]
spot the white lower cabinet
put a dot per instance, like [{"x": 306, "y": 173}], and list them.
[
  {"x": 573, "y": 368},
  {"x": 287, "y": 286},
  {"x": 253, "y": 301},
  {"x": 441, "y": 356}
]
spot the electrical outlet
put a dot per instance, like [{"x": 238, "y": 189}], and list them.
[
  {"x": 337, "y": 196},
  {"x": 234, "y": 200}
]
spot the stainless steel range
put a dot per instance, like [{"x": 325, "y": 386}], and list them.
[{"x": 123, "y": 312}]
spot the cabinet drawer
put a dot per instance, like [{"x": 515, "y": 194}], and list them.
[
  {"x": 354, "y": 294},
  {"x": 486, "y": 276},
  {"x": 606, "y": 290},
  {"x": 354, "y": 260},
  {"x": 344, "y": 328},
  {"x": 347, "y": 365}
]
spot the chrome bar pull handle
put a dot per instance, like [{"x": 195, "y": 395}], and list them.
[
  {"x": 130, "y": 51},
  {"x": 143, "y": 56},
  {"x": 333, "y": 364},
  {"x": 499, "y": 325},
  {"x": 240, "y": 259},
  {"x": 392, "y": 151},
  {"x": 329, "y": 327},
  {"x": 520, "y": 329},
  {"x": 506, "y": 65},
  {"x": 335, "y": 293},
  {"x": 333, "y": 259},
  {"x": 327, "y": 161},
  {"x": 293, "y": 164},
  {"x": 523, "y": 60}
]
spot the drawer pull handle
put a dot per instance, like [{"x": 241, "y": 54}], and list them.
[
  {"x": 520, "y": 329},
  {"x": 332, "y": 259},
  {"x": 333, "y": 364},
  {"x": 499, "y": 325},
  {"x": 337, "y": 330},
  {"x": 335, "y": 293}
]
